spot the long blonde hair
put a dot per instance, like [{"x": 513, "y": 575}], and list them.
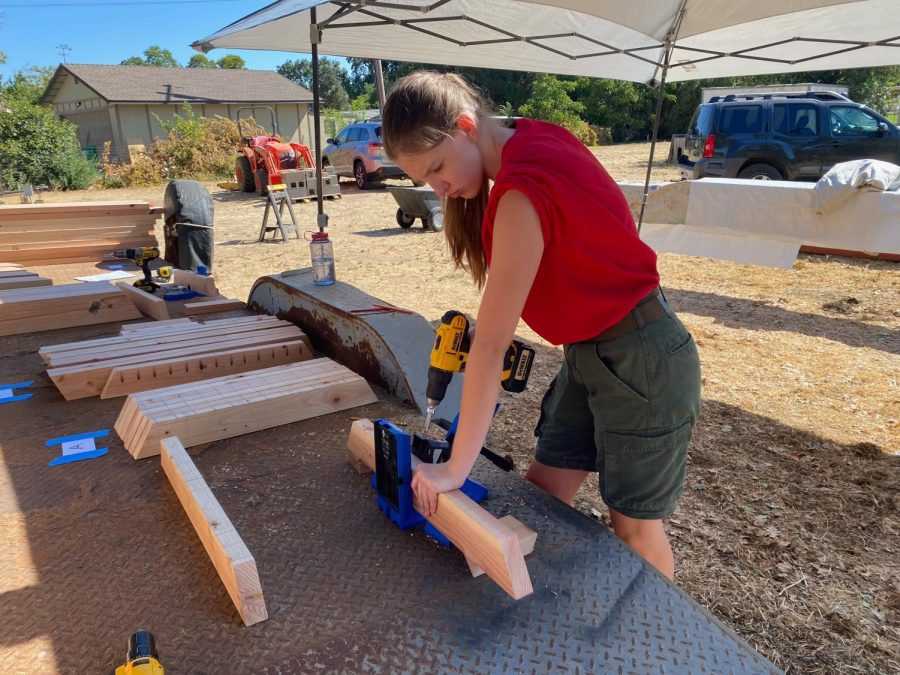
[{"x": 422, "y": 110}]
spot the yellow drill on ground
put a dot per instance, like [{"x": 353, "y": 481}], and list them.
[
  {"x": 142, "y": 257},
  {"x": 449, "y": 355},
  {"x": 142, "y": 658}
]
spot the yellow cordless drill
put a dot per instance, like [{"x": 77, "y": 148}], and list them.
[
  {"x": 142, "y": 658},
  {"x": 142, "y": 257},
  {"x": 449, "y": 355}
]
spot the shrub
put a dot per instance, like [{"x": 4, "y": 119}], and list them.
[
  {"x": 37, "y": 148},
  {"x": 194, "y": 147}
]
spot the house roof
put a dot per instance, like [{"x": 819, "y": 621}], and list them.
[{"x": 150, "y": 84}]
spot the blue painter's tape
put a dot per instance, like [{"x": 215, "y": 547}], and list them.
[
  {"x": 17, "y": 385},
  {"x": 77, "y": 457},
  {"x": 115, "y": 267},
  {"x": 10, "y": 399},
  {"x": 77, "y": 437}
]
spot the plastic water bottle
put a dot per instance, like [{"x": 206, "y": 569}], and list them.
[{"x": 322, "y": 259}]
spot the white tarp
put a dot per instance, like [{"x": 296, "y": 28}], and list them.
[{"x": 621, "y": 39}]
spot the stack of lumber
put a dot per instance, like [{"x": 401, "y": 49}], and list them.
[
  {"x": 167, "y": 354},
  {"x": 228, "y": 552},
  {"x": 18, "y": 277},
  {"x": 28, "y": 310},
  {"x": 202, "y": 412},
  {"x": 65, "y": 232}
]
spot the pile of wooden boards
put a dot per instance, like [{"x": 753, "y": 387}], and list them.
[
  {"x": 65, "y": 232},
  {"x": 202, "y": 412},
  {"x": 28, "y": 310},
  {"x": 153, "y": 355},
  {"x": 16, "y": 276}
]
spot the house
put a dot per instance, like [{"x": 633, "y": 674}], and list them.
[{"x": 124, "y": 104}]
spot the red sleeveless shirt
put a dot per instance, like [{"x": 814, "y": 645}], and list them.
[{"x": 594, "y": 268}]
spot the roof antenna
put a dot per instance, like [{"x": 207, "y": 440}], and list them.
[{"x": 63, "y": 50}]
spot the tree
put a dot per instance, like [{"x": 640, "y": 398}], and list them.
[
  {"x": 37, "y": 148},
  {"x": 201, "y": 61},
  {"x": 231, "y": 62},
  {"x": 27, "y": 85},
  {"x": 154, "y": 55},
  {"x": 333, "y": 80},
  {"x": 550, "y": 101}
]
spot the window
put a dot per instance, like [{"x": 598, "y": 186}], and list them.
[
  {"x": 343, "y": 136},
  {"x": 702, "y": 122},
  {"x": 795, "y": 119},
  {"x": 847, "y": 121},
  {"x": 356, "y": 134},
  {"x": 741, "y": 119}
]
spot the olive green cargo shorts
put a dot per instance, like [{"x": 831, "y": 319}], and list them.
[{"x": 625, "y": 408}]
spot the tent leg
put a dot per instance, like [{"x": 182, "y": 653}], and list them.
[
  {"x": 659, "y": 100},
  {"x": 315, "y": 35},
  {"x": 669, "y": 46}
]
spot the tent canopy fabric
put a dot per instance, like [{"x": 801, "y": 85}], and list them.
[{"x": 620, "y": 39}]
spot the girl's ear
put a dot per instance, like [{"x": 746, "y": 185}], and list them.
[{"x": 467, "y": 124}]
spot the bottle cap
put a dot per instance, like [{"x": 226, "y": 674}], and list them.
[{"x": 319, "y": 236}]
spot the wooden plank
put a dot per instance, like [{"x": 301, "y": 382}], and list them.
[
  {"x": 485, "y": 541},
  {"x": 9, "y": 266},
  {"x": 238, "y": 413},
  {"x": 10, "y": 274},
  {"x": 527, "y": 540},
  {"x": 96, "y": 303},
  {"x": 105, "y": 244},
  {"x": 88, "y": 379},
  {"x": 197, "y": 282},
  {"x": 163, "y": 326},
  {"x": 49, "y": 237},
  {"x": 126, "y": 380},
  {"x": 56, "y": 208},
  {"x": 23, "y": 282},
  {"x": 148, "y": 303},
  {"x": 91, "y": 351},
  {"x": 224, "y": 546},
  {"x": 78, "y": 221},
  {"x": 210, "y": 306},
  {"x": 264, "y": 319},
  {"x": 65, "y": 254}
]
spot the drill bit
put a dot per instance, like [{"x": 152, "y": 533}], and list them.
[{"x": 429, "y": 413}]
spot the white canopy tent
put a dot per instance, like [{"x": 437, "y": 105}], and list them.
[{"x": 639, "y": 40}]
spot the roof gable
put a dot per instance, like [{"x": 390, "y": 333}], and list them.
[{"x": 150, "y": 84}]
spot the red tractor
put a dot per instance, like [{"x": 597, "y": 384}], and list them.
[{"x": 261, "y": 159}]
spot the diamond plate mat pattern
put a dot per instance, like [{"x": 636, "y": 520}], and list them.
[{"x": 91, "y": 551}]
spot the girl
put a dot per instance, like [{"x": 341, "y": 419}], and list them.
[{"x": 554, "y": 243}]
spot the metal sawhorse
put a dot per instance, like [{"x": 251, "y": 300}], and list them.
[{"x": 277, "y": 199}]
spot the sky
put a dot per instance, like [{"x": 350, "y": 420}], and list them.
[{"x": 109, "y": 31}]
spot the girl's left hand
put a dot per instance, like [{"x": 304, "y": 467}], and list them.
[{"x": 428, "y": 481}]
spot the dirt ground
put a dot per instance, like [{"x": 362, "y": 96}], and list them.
[{"x": 788, "y": 528}]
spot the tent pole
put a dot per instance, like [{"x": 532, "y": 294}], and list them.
[
  {"x": 315, "y": 36},
  {"x": 659, "y": 100},
  {"x": 669, "y": 46}
]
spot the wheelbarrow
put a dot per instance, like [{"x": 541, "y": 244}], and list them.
[{"x": 418, "y": 202}]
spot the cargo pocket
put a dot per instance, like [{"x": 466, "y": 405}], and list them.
[{"x": 644, "y": 471}]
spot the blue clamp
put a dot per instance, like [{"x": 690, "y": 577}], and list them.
[
  {"x": 4, "y": 388},
  {"x": 392, "y": 481},
  {"x": 78, "y": 447}
]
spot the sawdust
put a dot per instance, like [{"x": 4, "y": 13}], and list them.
[{"x": 788, "y": 528}]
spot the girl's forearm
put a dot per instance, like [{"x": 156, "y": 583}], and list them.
[{"x": 476, "y": 410}]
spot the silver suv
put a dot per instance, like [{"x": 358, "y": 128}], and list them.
[{"x": 357, "y": 152}]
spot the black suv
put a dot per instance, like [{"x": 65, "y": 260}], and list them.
[{"x": 778, "y": 136}]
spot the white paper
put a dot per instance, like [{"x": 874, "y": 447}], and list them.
[
  {"x": 75, "y": 447},
  {"x": 108, "y": 276}
]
